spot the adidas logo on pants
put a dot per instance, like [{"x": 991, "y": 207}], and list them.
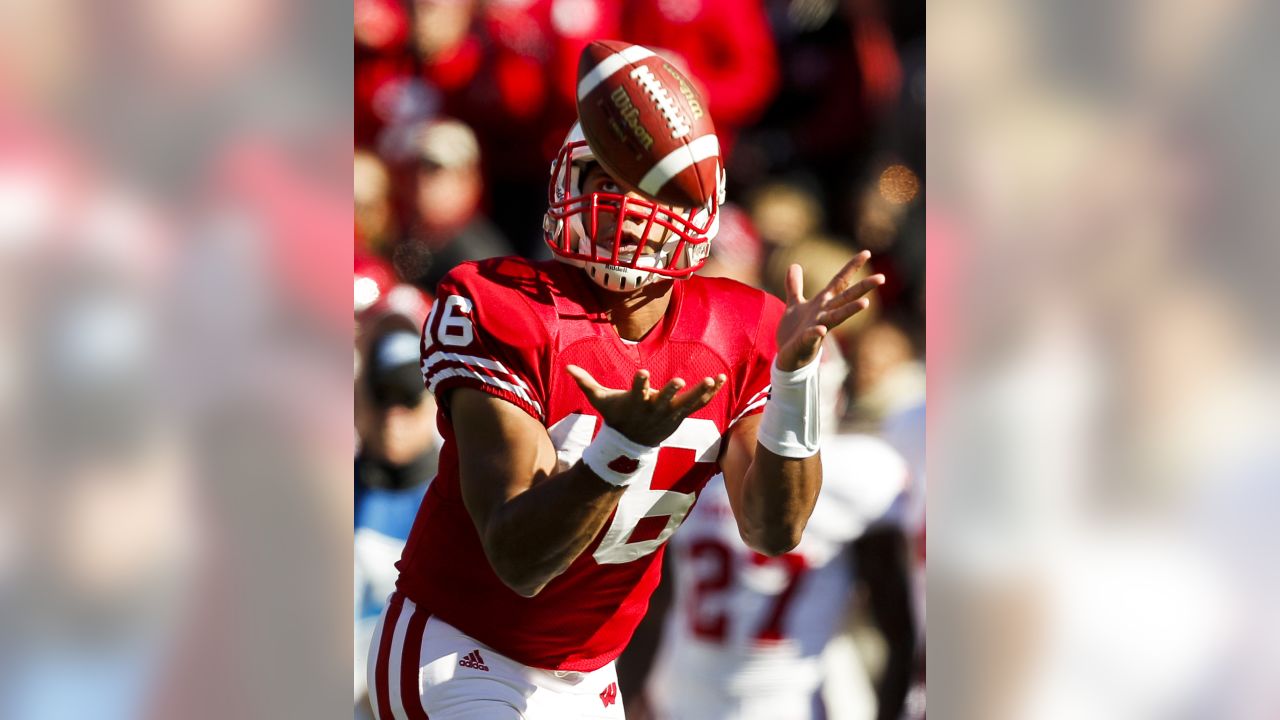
[{"x": 421, "y": 666}]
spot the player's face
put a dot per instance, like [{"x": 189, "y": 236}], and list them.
[{"x": 605, "y": 226}]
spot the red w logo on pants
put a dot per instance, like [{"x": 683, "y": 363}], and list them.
[{"x": 609, "y": 695}]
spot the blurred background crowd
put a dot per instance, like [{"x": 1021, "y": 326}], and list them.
[{"x": 460, "y": 106}]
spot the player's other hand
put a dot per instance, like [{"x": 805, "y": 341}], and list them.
[
  {"x": 806, "y": 322},
  {"x": 643, "y": 414}
]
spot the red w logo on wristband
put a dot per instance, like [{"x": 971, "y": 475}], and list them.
[{"x": 623, "y": 464}]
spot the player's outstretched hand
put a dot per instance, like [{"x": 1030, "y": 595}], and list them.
[
  {"x": 643, "y": 414},
  {"x": 806, "y": 322}
]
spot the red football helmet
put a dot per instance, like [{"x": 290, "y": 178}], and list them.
[{"x": 617, "y": 265}]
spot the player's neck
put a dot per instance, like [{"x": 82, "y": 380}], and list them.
[{"x": 634, "y": 314}]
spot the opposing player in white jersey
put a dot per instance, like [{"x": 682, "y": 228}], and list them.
[
  {"x": 745, "y": 634},
  {"x": 905, "y": 431}
]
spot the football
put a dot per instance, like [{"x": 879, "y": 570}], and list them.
[{"x": 647, "y": 124}]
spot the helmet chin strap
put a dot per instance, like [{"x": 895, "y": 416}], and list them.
[
  {"x": 617, "y": 279},
  {"x": 625, "y": 279}
]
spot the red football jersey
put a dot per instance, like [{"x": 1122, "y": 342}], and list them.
[{"x": 509, "y": 327}]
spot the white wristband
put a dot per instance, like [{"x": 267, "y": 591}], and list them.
[
  {"x": 617, "y": 459},
  {"x": 790, "y": 424}
]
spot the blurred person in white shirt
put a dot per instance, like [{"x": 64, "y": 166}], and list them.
[{"x": 747, "y": 636}]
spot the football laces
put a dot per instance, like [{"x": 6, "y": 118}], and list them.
[{"x": 677, "y": 122}]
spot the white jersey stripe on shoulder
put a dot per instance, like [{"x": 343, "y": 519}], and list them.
[
  {"x": 442, "y": 374},
  {"x": 494, "y": 365},
  {"x": 747, "y": 409},
  {"x": 677, "y": 161},
  {"x": 609, "y": 66},
  {"x": 487, "y": 379},
  {"x": 756, "y": 401},
  {"x": 396, "y": 659}
]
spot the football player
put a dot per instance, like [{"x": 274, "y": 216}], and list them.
[
  {"x": 585, "y": 401},
  {"x": 745, "y": 633}
]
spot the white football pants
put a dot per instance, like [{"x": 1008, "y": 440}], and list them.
[{"x": 422, "y": 668}]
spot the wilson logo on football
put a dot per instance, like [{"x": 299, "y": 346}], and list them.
[
  {"x": 647, "y": 125},
  {"x": 631, "y": 114}
]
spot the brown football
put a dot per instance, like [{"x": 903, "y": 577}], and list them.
[{"x": 646, "y": 123}]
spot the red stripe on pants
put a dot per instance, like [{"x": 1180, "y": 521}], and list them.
[
  {"x": 409, "y": 666},
  {"x": 381, "y": 677}
]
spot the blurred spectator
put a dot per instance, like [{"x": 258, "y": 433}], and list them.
[
  {"x": 507, "y": 69},
  {"x": 375, "y": 218},
  {"x": 374, "y": 278},
  {"x": 407, "y": 56},
  {"x": 441, "y": 35},
  {"x": 842, "y": 72},
  {"x": 887, "y": 378},
  {"x": 817, "y": 122},
  {"x": 447, "y": 226},
  {"x": 395, "y": 419},
  {"x": 380, "y": 24},
  {"x": 737, "y": 252},
  {"x": 785, "y": 213},
  {"x": 394, "y": 415},
  {"x": 523, "y": 101}
]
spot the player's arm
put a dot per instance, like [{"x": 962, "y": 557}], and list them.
[
  {"x": 772, "y": 496},
  {"x": 771, "y": 465},
  {"x": 529, "y": 537},
  {"x": 533, "y": 521}
]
